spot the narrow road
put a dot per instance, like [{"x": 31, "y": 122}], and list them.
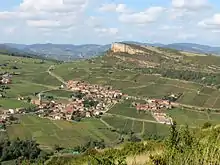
[
  {"x": 217, "y": 98},
  {"x": 56, "y": 76},
  {"x": 131, "y": 118},
  {"x": 43, "y": 85},
  {"x": 142, "y": 120},
  {"x": 105, "y": 123},
  {"x": 143, "y": 129}
]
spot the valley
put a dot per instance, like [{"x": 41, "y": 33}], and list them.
[{"x": 189, "y": 82}]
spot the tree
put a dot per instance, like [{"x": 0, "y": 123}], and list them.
[
  {"x": 28, "y": 99},
  {"x": 173, "y": 138},
  {"x": 206, "y": 125},
  {"x": 108, "y": 160},
  {"x": 19, "y": 149},
  {"x": 57, "y": 148}
]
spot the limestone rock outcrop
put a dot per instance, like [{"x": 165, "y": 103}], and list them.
[{"x": 125, "y": 48}]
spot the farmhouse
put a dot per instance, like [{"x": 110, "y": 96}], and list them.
[
  {"x": 163, "y": 118},
  {"x": 11, "y": 111},
  {"x": 156, "y": 107},
  {"x": 5, "y": 79}
]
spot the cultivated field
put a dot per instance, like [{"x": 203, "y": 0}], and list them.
[
  {"x": 29, "y": 77},
  {"x": 125, "y": 109},
  {"x": 193, "y": 118},
  {"x": 59, "y": 93},
  {"x": 13, "y": 103},
  {"x": 141, "y": 128},
  {"x": 32, "y": 77},
  {"x": 136, "y": 84},
  {"x": 67, "y": 134}
]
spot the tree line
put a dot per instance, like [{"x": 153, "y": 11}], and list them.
[{"x": 21, "y": 150}]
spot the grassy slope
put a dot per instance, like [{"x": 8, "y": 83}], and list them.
[
  {"x": 137, "y": 84},
  {"x": 126, "y": 109},
  {"x": 66, "y": 134},
  {"x": 33, "y": 78}
]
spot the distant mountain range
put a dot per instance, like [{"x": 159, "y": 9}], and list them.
[
  {"x": 64, "y": 52},
  {"x": 188, "y": 47},
  {"x": 68, "y": 52}
]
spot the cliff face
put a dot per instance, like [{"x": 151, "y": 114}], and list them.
[{"x": 125, "y": 48}]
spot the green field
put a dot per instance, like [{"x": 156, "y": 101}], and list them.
[
  {"x": 102, "y": 72},
  {"x": 13, "y": 103},
  {"x": 193, "y": 118},
  {"x": 67, "y": 134},
  {"x": 125, "y": 109},
  {"x": 155, "y": 129},
  {"x": 59, "y": 93},
  {"x": 32, "y": 77},
  {"x": 119, "y": 123},
  {"x": 141, "y": 128},
  {"x": 24, "y": 89}
]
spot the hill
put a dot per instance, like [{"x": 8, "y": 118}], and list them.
[
  {"x": 188, "y": 47},
  {"x": 12, "y": 51},
  {"x": 68, "y": 52},
  {"x": 63, "y": 52},
  {"x": 142, "y": 73},
  {"x": 182, "y": 146}
]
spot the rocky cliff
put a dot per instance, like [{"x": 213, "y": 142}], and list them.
[{"x": 125, "y": 48}]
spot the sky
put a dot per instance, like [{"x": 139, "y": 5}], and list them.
[{"x": 107, "y": 21}]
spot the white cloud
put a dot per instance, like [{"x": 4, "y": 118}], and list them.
[
  {"x": 48, "y": 13},
  {"x": 43, "y": 23},
  {"x": 190, "y": 4},
  {"x": 211, "y": 23},
  {"x": 6, "y": 15},
  {"x": 149, "y": 15},
  {"x": 79, "y": 19},
  {"x": 93, "y": 21},
  {"x": 186, "y": 36},
  {"x": 10, "y": 30},
  {"x": 53, "y": 5},
  {"x": 107, "y": 31},
  {"x": 186, "y": 9},
  {"x": 216, "y": 31},
  {"x": 112, "y": 7},
  {"x": 170, "y": 27}
]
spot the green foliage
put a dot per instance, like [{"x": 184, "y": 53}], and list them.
[
  {"x": 90, "y": 103},
  {"x": 107, "y": 160},
  {"x": 78, "y": 94},
  {"x": 21, "y": 150},
  {"x": 206, "y": 125},
  {"x": 189, "y": 147},
  {"x": 91, "y": 144}
]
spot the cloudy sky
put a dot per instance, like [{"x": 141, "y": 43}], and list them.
[{"x": 106, "y": 21}]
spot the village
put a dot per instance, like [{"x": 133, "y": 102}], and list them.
[
  {"x": 157, "y": 108},
  {"x": 87, "y": 100}
]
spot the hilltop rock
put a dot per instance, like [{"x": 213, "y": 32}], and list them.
[{"x": 125, "y": 48}]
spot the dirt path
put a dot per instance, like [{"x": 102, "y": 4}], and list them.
[
  {"x": 56, "y": 76},
  {"x": 132, "y": 126},
  {"x": 143, "y": 128},
  {"x": 215, "y": 101},
  {"x": 43, "y": 85},
  {"x": 131, "y": 118},
  {"x": 104, "y": 122}
]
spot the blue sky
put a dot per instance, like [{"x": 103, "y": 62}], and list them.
[{"x": 106, "y": 21}]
